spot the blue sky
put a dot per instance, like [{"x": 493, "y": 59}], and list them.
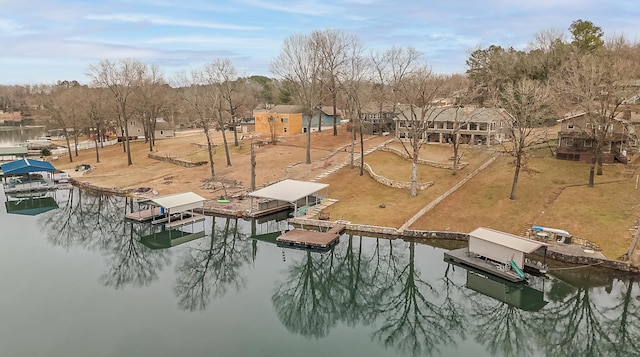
[{"x": 48, "y": 40}]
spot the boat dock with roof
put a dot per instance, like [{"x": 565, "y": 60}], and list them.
[
  {"x": 497, "y": 253},
  {"x": 173, "y": 211}
]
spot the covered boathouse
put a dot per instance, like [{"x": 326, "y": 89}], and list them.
[
  {"x": 27, "y": 175},
  {"x": 502, "y": 247},
  {"x": 287, "y": 194},
  {"x": 498, "y": 253},
  {"x": 173, "y": 210}
]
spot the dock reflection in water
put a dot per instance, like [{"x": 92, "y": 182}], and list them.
[{"x": 364, "y": 297}]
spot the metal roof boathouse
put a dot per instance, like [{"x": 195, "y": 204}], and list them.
[{"x": 497, "y": 253}]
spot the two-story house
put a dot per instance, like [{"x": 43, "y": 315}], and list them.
[
  {"x": 377, "y": 119},
  {"x": 283, "y": 120},
  {"x": 576, "y": 138},
  {"x": 474, "y": 126}
]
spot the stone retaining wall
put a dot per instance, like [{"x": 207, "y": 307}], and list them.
[
  {"x": 176, "y": 161},
  {"x": 439, "y": 165},
  {"x": 108, "y": 190},
  {"x": 393, "y": 183}
]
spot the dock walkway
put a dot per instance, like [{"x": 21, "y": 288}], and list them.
[
  {"x": 144, "y": 215},
  {"x": 194, "y": 217},
  {"x": 312, "y": 239}
]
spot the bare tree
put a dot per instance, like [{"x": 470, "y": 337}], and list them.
[
  {"x": 221, "y": 77},
  {"x": 151, "y": 101},
  {"x": 334, "y": 48},
  {"x": 414, "y": 88},
  {"x": 529, "y": 103},
  {"x": 93, "y": 104},
  {"x": 357, "y": 73},
  {"x": 62, "y": 104},
  {"x": 591, "y": 82},
  {"x": 122, "y": 78},
  {"x": 195, "y": 92},
  {"x": 298, "y": 64}
]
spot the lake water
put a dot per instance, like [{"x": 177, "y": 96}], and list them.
[
  {"x": 10, "y": 135},
  {"x": 77, "y": 281}
]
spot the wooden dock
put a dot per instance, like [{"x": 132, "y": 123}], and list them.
[
  {"x": 193, "y": 217},
  {"x": 312, "y": 239},
  {"x": 461, "y": 256},
  {"x": 144, "y": 215}
]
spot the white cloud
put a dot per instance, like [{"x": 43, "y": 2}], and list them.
[
  {"x": 302, "y": 7},
  {"x": 165, "y": 21},
  {"x": 12, "y": 28}
]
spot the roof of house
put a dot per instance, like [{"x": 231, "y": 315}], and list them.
[
  {"x": 511, "y": 241},
  {"x": 387, "y": 107},
  {"x": 289, "y": 190},
  {"x": 25, "y": 166},
  {"x": 296, "y": 109},
  {"x": 287, "y": 109},
  {"x": 444, "y": 114}
]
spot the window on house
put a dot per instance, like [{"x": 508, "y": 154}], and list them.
[
  {"x": 161, "y": 132},
  {"x": 588, "y": 143},
  {"x": 284, "y": 120},
  {"x": 568, "y": 142},
  {"x": 285, "y": 129},
  {"x": 569, "y": 126}
]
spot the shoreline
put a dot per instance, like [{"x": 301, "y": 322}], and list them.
[{"x": 555, "y": 252}]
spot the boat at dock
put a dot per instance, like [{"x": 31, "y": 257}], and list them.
[{"x": 499, "y": 254}]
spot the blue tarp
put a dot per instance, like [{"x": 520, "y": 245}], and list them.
[{"x": 25, "y": 166}]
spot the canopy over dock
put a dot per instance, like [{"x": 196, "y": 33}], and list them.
[
  {"x": 176, "y": 203},
  {"x": 288, "y": 193},
  {"x": 26, "y": 166},
  {"x": 502, "y": 247}
]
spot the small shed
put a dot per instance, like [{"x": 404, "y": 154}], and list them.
[
  {"x": 502, "y": 247},
  {"x": 288, "y": 193}
]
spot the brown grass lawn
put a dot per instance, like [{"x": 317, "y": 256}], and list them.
[{"x": 552, "y": 193}]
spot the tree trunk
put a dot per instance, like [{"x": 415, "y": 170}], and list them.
[
  {"x": 226, "y": 147},
  {"x": 592, "y": 169},
  {"x": 308, "y": 153},
  {"x": 235, "y": 133},
  {"x": 361, "y": 147},
  {"x": 455, "y": 156},
  {"x": 210, "y": 150},
  {"x": 335, "y": 116},
  {"x": 599, "y": 171},
  {"x": 414, "y": 175},
  {"x": 516, "y": 176},
  {"x": 66, "y": 137},
  {"x": 126, "y": 143},
  {"x": 96, "y": 146},
  {"x": 353, "y": 144},
  {"x": 253, "y": 168}
]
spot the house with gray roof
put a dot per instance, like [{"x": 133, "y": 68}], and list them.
[{"x": 473, "y": 126}]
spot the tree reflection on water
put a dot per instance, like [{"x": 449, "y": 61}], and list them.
[
  {"x": 95, "y": 222},
  {"x": 376, "y": 283},
  {"x": 212, "y": 266}
]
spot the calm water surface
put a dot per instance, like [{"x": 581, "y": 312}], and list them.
[
  {"x": 77, "y": 281},
  {"x": 10, "y": 135}
]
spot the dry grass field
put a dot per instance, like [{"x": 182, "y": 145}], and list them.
[{"x": 552, "y": 193}]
